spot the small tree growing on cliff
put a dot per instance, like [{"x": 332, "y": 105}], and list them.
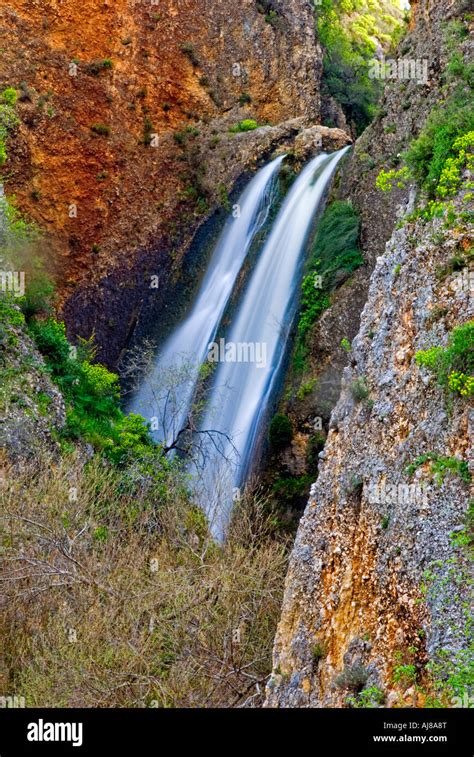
[
  {"x": 174, "y": 420},
  {"x": 281, "y": 432}
]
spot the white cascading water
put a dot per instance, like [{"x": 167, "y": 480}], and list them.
[
  {"x": 167, "y": 391},
  {"x": 241, "y": 390}
]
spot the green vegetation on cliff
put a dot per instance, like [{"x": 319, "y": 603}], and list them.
[
  {"x": 453, "y": 365},
  {"x": 351, "y": 32},
  {"x": 8, "y": 119},
  {"x": 335, "y": 256},
  {"x": 92, "y": 396},
  {"x": 281, "y": 432},
  {"x": 443, "y": 151}
]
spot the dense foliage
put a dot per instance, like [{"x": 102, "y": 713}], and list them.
[
  {"x": 92, "y": 395},
  {"x": 8, "y": 119},
  {"x": 281, "y": 432},
  {"x": 350, "y": 32},
  {"x": 335, "y": 255},
  {"x": 442, "y": 145},
  {"x": 444, "y": 148},
  {"x": 453, "y": 364}
]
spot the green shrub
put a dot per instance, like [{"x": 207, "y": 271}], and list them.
[
  {"x": 19, "y": 246},
  {"x": 9, "y": 315},
  {"x": 101, "y": 129},
  {"x": 454, "y": 33},
  {"x": 9, "y": 96},
  {"x": 306, "y": 388},
  {"x": 437, "y": 143},
  {"x": 359, "y": 390},
  {"x": 92, "y": 396},
  {"x": 17, "y": 241},
  {"x": 8, "y": 119},
  {"x": 272, "y": 17},
  {"x": 281, "y": 432},
  {"x": 50, "y": 338},
  {"x": 313, "y": 303},
  {"x": 404, "y": 675},
  {"x": 462, "y": 155},
  {"x": 39, "y": 295},
  {"x": 367, "y": 698},
  {"x": 335, "y": 255},
  {"x": 336, "y": 245},
  {"x": 181, "y": 137},
  {"x": 353, "y": 677},
  {"x": 444, "y": 146},
  {"x": 315, "y": 446},
  {"x": 350, "y": 34},
  {"x": 292, "y": 491},
  {"x": 97, "y": 66},
  {"x": 387, "y": 180},
  {"x": 319, "y": 651},
  {"x": 440, "y": 466},
  {"x": 453, "y": 675},
  {"x": 248, "y": 124},
  {"x": 346, "y": 345},
  {"x": 453, "y": 365},
  {"x": 147, "y": 132},
  {"x": 245, "y": 99},
  {"x": 190, "y": 51}
]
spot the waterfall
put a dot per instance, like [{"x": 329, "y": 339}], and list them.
[
  {"x": 166, "y": 393},
  {"x": 251, "y": 355},
  {"x": 229, "y": 420}
]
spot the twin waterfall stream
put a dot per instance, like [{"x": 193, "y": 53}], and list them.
[{"x": 231, "y": 416}]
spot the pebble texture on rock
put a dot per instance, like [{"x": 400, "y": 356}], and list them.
[{"x": 355, "y": 597}]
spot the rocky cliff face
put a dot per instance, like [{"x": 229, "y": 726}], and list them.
[
  {"x": 380, "y": 585},
  {"x": 136, "y": 98},
  {"x": 376, "y": 578},
  {"x": 32, "y": 409},
  {"x": 403, "y": 111}
]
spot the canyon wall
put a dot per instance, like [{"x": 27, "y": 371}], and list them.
[
  {"x": 379, "y": 591},
  {"x": 376, "y": 579},
  {"x": 402, "y": 112},
  {"x": 124, "y": 146}
]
